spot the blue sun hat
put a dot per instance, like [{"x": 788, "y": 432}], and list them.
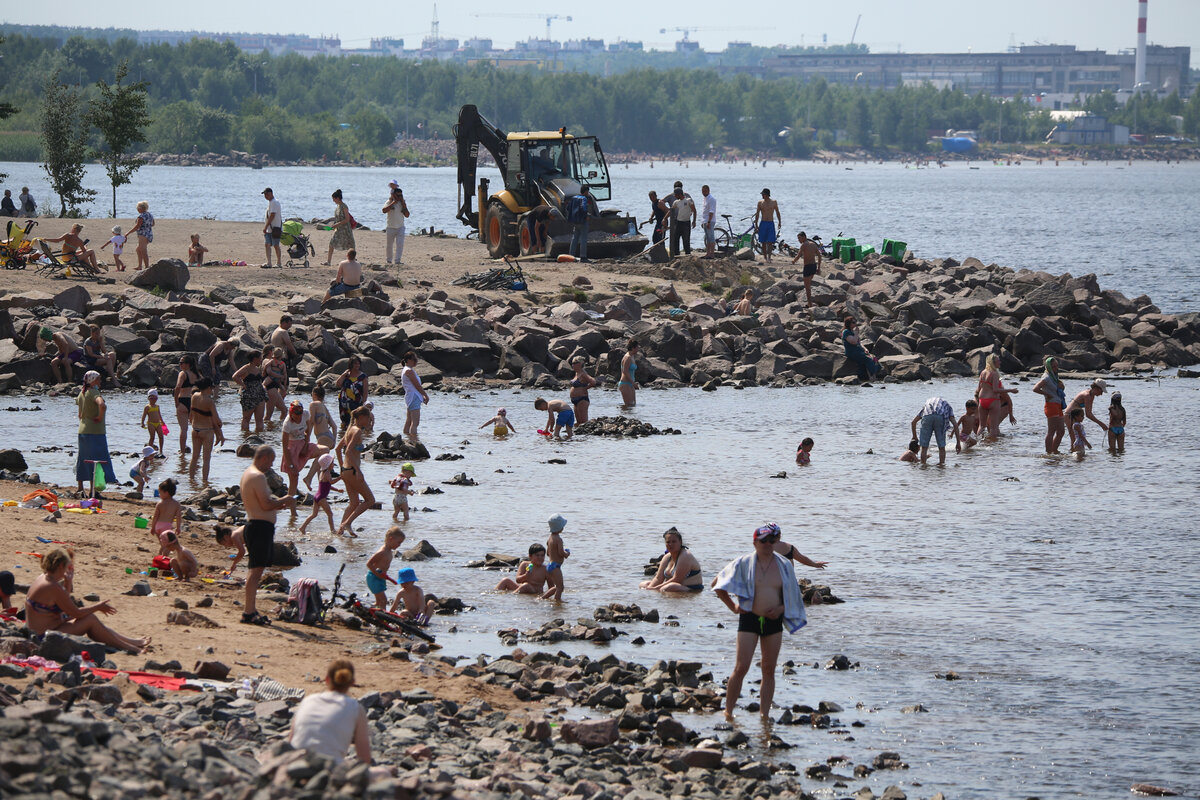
[
  {"x": 407, "y": 575},
  {"x": 557, "y": 523}
]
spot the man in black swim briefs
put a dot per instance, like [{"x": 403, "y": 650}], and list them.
[{"x": 261, "y": 507}]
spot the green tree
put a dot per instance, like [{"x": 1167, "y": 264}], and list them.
[
  {"x": 64, "y": 143},
  {"x": 121, "y": 117}
]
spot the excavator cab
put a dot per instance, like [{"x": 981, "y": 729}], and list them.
[{"x": 538, "y": 168}]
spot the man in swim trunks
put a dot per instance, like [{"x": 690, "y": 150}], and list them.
[
  {"x": 259, "y": 532},
  {"x": 812, "y": 262},
  {"x": 765, "y": 215},
  {"x": 559, "y": 415}
]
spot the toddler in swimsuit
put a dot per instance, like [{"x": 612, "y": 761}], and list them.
[
  {"x": 138, "y": 473},
  {"x": 968, "y": 424},
  {"x": 1078, "y": 440},
  {"x": 152, "y": 419},
  {"x": 1116, "y": 424},
  {"x": 501, "y": 425},
  {"x": 402, "y": 483},
  {"x": 168, "y": 514},
  {"x": 557, "y": 555},
  {"x": 804, "y": 452},
  {"x": 325, "y": 481}
]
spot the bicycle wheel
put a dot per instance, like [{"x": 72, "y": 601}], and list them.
[{"x": 724, "y": 241}]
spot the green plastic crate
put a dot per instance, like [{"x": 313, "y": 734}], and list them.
[{"x": 899, "y": 249}]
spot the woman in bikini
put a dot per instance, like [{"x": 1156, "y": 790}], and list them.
[
  {"x": 216, "y": 361},
  {"x": 415, "y": 395},
  {"x": 579, "y": 389},
  {"x": 254, "y": 396},
  {"x": 349, "y": 456},
  {"x": 678, "y": 569},
  {"x": 206, "y": 426},
  {"x": 183, "y": 397},
  {"x": 628, "y": 382},
  {"x": 48, "y": 607},
  {"x": 275, "y": 381},
  {"x": 993, "y": 397}
]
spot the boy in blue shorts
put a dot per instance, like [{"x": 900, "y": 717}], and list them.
[
  {"x": 559, "y": 415},
  {"x": 377, "y": 565}
]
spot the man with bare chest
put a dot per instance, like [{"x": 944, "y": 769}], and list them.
[
  {"x": 766, "y": 213},
  {"x": 259, "y": 532},
  {"x": 761, "y": 589}
]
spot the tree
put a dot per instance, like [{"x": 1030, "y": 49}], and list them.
[
  {"x": 64, "y": 144},
  {"x": 121, "y": 117}
]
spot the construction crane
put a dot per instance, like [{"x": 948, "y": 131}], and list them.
[
  {"x": 855, "y": 33},
  {"x": 548, "y": 17}
]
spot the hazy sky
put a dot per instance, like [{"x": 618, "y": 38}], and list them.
[{"x": 887, "y": 25}]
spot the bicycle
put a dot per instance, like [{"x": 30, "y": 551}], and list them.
[
  {"x": 384, "y": 620},
  {"x": 509, "y": 276},
  {"x": 727, "y": 241}
]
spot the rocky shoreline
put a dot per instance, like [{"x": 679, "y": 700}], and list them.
[{"x": 921, "y": 318}]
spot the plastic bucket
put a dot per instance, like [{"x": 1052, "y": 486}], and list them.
[
  {"x": 866, "y": 251},
  {"x": 141, "y": 522}
]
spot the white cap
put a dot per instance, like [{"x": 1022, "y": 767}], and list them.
[
  {"x": 148, "y": 451},
  {"x": 152, "y": 393}
]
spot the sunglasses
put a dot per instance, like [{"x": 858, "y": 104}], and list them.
[{"x": 772, "y": 539}]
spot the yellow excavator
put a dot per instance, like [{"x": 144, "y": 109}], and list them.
[{"x": 539, "y": 168}]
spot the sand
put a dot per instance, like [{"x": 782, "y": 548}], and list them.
[{"x": 106, "y": 544}]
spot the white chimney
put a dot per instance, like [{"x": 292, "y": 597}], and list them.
[{"x": 1139, "y": 68}]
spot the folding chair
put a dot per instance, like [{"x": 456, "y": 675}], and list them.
[{"x": 58, "y": 264}]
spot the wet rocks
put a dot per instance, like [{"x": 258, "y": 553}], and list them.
[
  {"x": 815, "y": 595},
  {"x": 12, "y": 460},
  {"x": 619, "y": 427},
  {"x": 495, "y": 561},
  {"x": 617, "y": 612},
  {"x": 386, "y": 447},
  {"x": 421, "y": 551},
  {"x": 558, "y": 630},
  {"x": 461, "y": 479}
]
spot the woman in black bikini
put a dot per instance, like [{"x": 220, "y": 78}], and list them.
[
  {"x": 217, "y": 360},
  {"x": 579, "y": 390},
  {"x": 206, "y": 426},
  {"x": 275, "y": 381},
  {"x": 678, "y": 569},
  {"x": 349, "y": 455},
  {"x": 254, "y": 396},
  {"x": 48, "y": 607},
  {"x": 183, "y": 397}
]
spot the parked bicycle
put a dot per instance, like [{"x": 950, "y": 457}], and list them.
[{"x": 729, "y": 242}]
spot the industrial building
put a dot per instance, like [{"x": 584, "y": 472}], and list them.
[{"x": 1091, "y": 129}]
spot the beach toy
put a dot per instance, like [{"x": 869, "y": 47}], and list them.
[
  {"x": 165, "y": 429},
  {"x": 98, "y": 482},
  {"x": 152, "y": 572},
  {"x": 543, "y": 433},
  {"x": 141, "y": 522},
  {"x": 10, "y": 503},
  {"x": 129, "y": 570}
]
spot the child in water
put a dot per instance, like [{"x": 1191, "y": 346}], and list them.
[
  {"x": 325, "y": 481},
  {"x": 559, "y": 415},
  {"x": 377, "y": 565},
  {"x": 502, "y": 427},
  {"x": 968, "y": 425},
  {"x": 152, "y": 419},
  {"x": 531, "y": 573},
  {"x": 911, "y": 455},
  {"x": 139, "y": 471},
  {"x": 804, "y": 452},
  {"x": 416, "y": 606},
  {"x": 557, "y": 555},
  {"x": 196, "y": 252},
  {"x": 1078, "y": 438},
  {"x": 1116, "y": 424},
  {"x": 402, "y": 483}
]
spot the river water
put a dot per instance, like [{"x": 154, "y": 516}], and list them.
[
  {"x": 1133, "y": 224},
  {"x": 1063, "y": 593}
]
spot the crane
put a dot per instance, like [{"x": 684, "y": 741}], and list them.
[
  {"x": 548, "y": 17},
  {"x": 855, "y": 33}
]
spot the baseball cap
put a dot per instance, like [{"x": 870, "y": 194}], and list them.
[
  {"x": 268, "y": 189},
  {"x": 148, "y": 451},
  {"x": 407, "y": 575},
  {"x": 8, "y": 584},
  {"x": 557, "y": 523},
  {"x": 766, "y": 531}
]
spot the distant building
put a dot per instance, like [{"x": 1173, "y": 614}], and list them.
[
  {"x": 1091, "y": 129},
  {"x": 621, "y": 46},
  {"x": 274, "y": 44},
  {"x": 1028, "y": 71},
  {"x": 584, "y": 46},
  {"x": 478, "y": 45},
  {"x": 686, "y": 46}
]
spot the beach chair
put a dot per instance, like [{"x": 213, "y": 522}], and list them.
[{"x": 65, "y": 265}]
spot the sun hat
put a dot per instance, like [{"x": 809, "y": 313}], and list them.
[
  {"x": 408, "y": 467},
  {"x": 116, "y": 229},
  {"x": 152, "y": 393},
  {"x": 557, "y": 523},
  {"x": 407, "y": 575},
  {"x": 394, "y": 182},
  {"x": 325, "y": 460},
  {"x": 148, "y": 451},
  {"x": 1100, "y": 384},
  {"x": 765, "y": 531}
]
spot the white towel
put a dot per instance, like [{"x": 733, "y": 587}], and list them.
[{"x": 737, "y": 578}]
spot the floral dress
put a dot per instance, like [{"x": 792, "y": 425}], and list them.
[
  {"x": 343, "y": 236},
  {"x": 145, "y": 226}
]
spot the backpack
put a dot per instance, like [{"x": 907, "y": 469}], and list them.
[
  {"x": 304, "y": 605},
  {"x": 577, "y": 209}
]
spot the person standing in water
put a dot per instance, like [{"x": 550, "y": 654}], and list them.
[
  {"x": 1052, "y": 388},
  {"x": 628, "y": 382}
]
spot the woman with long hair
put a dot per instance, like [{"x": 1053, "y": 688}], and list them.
[
  {"x": 343, "y": 228},
  {"x": 993, "y": 397},
  {"x": 49, "y": 607},
  {"x": 188, "y": 377},
  {"x": 1052, "y": 388}
]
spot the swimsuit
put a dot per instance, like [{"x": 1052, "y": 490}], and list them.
[
  {"x": 759, "y": 626},
  {"x": 400, "y": 499},
  {"x": 766, "y": 235},
  {"x": 986, "y": 403},
  {"x": 376, "y": 584},
  {"x": 553, "y": 565},
  {"x": 577, "y": 399},
  {"x": 253, "y": 395},
  {"x": 580, "y": 399},
  {"x": 1116, "y": 430},
  {"x": 323, "y": 488},
  {"x": 350, "y": 396},
  {"x": 185, "y": 400},
  {"x": 565, "y": 419},
  {"x": 632, "y": 375},
  {"x": 810, "y": 270},
  {"x": 698, "y": 587},
  {"x": 45, "y": 609}
]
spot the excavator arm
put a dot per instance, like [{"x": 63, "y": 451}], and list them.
[{"x": 472, "y": 131}]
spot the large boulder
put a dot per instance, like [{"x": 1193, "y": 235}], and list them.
[
  {"x": 12, "y": 460},
  {"x": 75, "y": 298},
  {"x": 346, "y": 317},
  {"x": 153, "y": 369},
  {"x": 124, "y": 341},
  {"x": 816, "y": 365},
  {"x": 168, "y": 274},
  {"x": 201, "y": 314},
  {"x": 532, "y": 345},
  {"x": 458, "y": 358},
  {"x": 198, "y": 338},
  {"x": 590, "y": 734},
  {"x": 1050, "y": 299}
]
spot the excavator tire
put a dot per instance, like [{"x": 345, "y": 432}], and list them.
[
  {"x": 501, "y": 233},
  {"x": 525, "y": 239}
]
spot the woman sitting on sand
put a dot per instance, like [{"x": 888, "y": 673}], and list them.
[
  {"x": 49, "y": 607},
  {"x": 678, "y": 569},
  {"x": 328, "y": 722}
]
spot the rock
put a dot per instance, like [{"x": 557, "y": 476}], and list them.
[
  {"x": 702, "y": 758},
  {"x": 537, "y": 730},
  {"x": 838, "y": 662},
  {"x": 75, "y": 298},
  {"x": 893, "y": 793},
  {"x": 888, "y": 760},
  {"x": 668, "y": 729},
  {"x": 285, "y": 555},
  {"x": 169, "y": 274},
  {"x": 461, "y": 479},
  {"x": 457, "y": 358},
  {"x": 140, "y": 589},
  {"x": 421, "y": 551},
  {"x": 61, "y": 647},
  {"x": 1150, "y": 790},
  {"x": 125, "y": 342},
  {"x": 590, "y": 734},
  {"x": 190, "y": 619},
  {"x": 12, "y": 460}
]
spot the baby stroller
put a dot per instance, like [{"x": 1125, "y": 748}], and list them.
[
  {"x": 17, "y": 250},
  {"x": 298, "y": 246}
]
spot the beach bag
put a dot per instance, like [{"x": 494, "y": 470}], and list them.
[
  {"x": 577, "y": 210},
  {"x": 161, "y": 562},
  {"x": 304, "y": 605},
  {"x": 98, "y": 481}
]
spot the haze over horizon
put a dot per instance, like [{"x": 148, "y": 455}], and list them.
[{"x": 886, "y": 26}]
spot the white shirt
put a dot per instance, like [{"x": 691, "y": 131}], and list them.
[
  {"x": 409, "y": 381},
  {"x": 395, "y": 216},
  {"x": 296, "y": 430},
  {"x": 682, "y": 209},
  {"x": 118, "y": 242},
  {"x": 273, "y": 207},
  {"x": 710, "y": 209},
  {"x": 325, "y": 723}
]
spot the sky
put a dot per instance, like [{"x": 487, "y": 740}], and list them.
[{"x": 915, "y": 26}]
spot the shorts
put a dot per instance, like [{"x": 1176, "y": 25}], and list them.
[
  {"x": 766, "y": 232},
  {"x": 552, "y": 565},
  {"x": 1053, "y": 410},
  {"x": 376, "y": 584},
  {"x": 260, "y": 543},
  {"x": 341, "y": 288},
  {"x": 413, "y": 401},
  {"x": 133, "y": 473},
  {"x": 76, "y": 356},
  {"x": 565, "y": 419},
  {"x": 273, "y": 236},
  {"x": 710, "y": 234},
  {"x": 810, "y": 270},
  {"x": 759, "y": 626},
  {"x": 933, "y": 425}
]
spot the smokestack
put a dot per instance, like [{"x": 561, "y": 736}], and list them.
[{"x": 1139, "y": 68}]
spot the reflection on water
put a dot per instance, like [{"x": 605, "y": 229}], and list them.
[{"x": 1062, "y": 593}]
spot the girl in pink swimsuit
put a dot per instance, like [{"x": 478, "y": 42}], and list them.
[{"x": 168, "y": 514}]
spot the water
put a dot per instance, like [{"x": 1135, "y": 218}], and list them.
[
  {"x": 1131, "y": 224},
  {"x": 1063, "y": 593}
]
